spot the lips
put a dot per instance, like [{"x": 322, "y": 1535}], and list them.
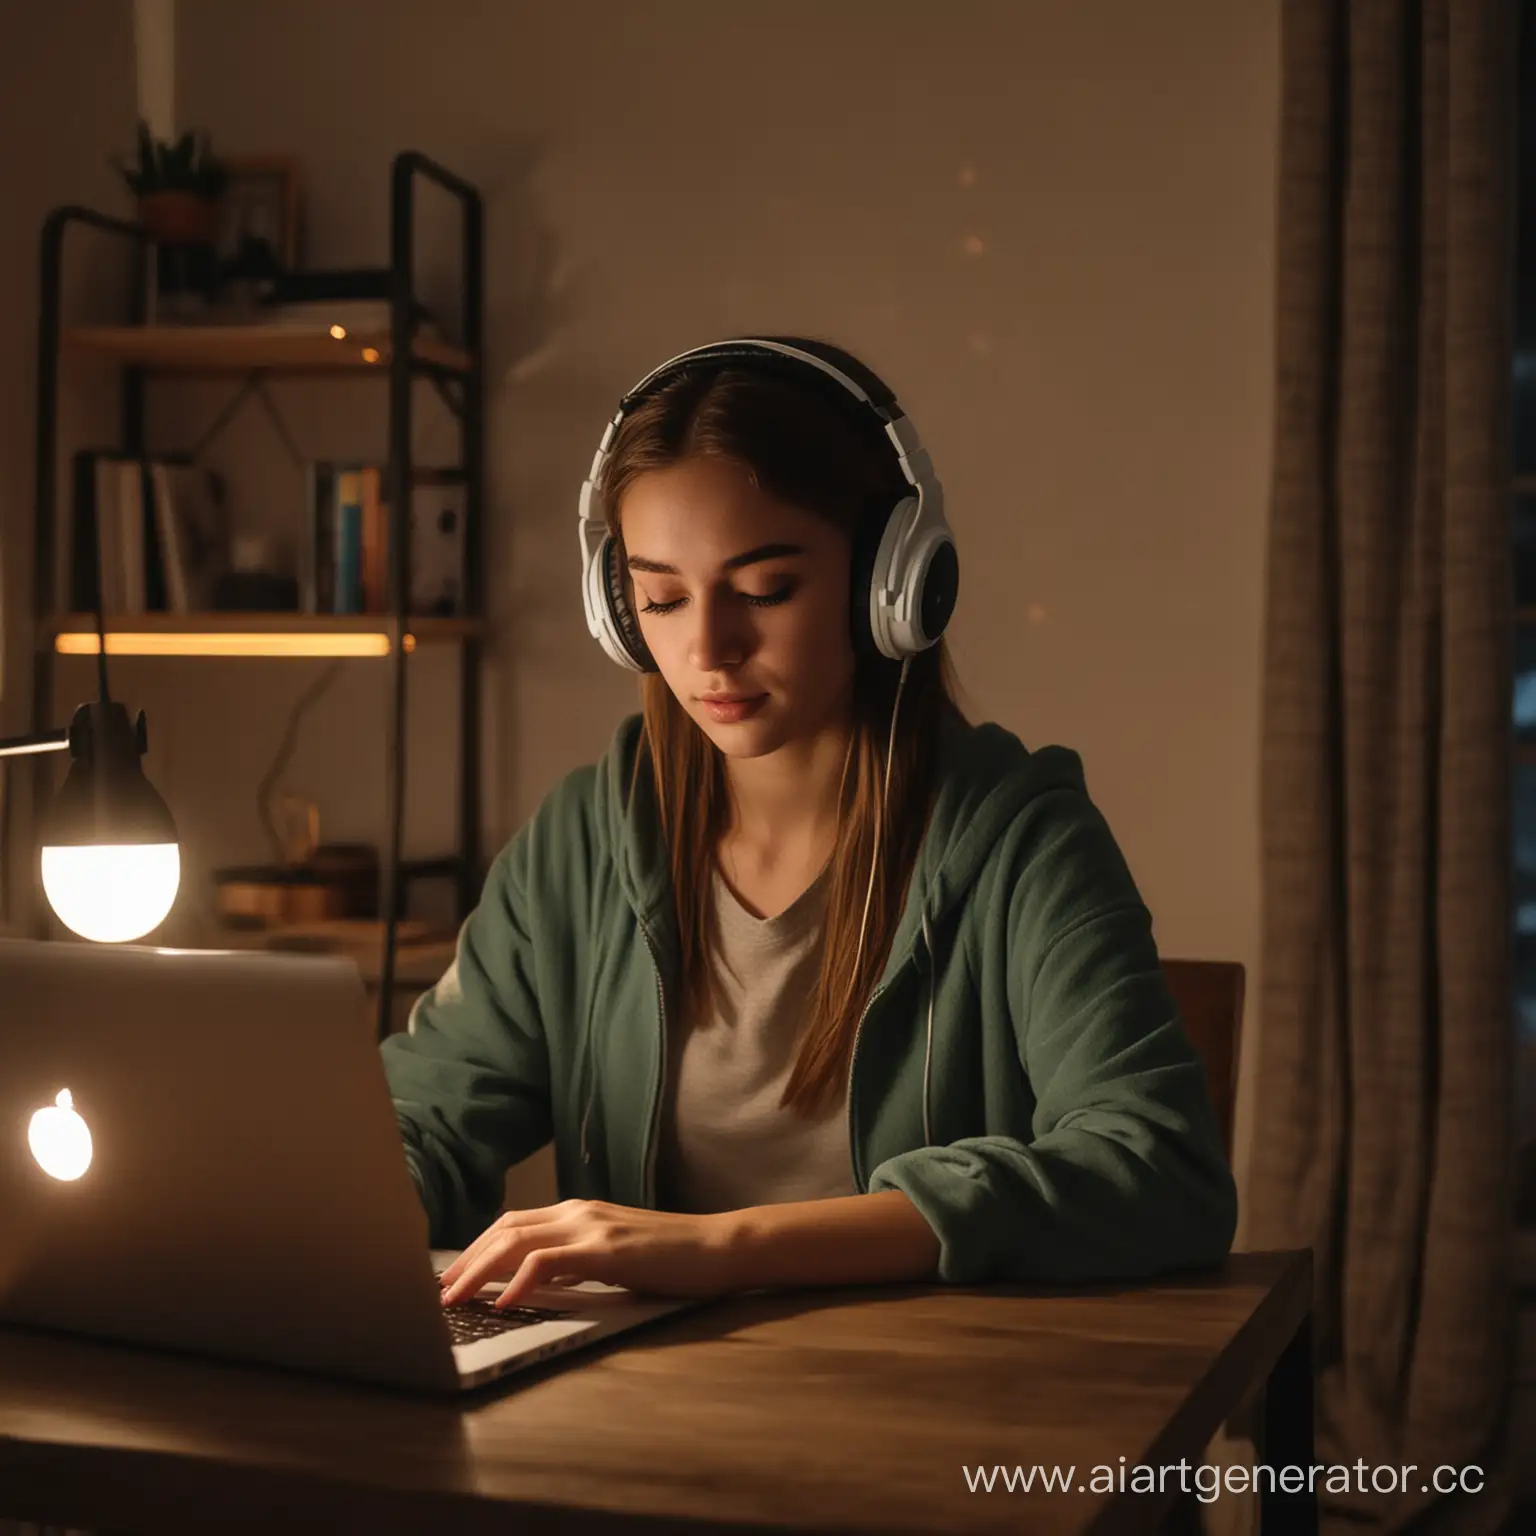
[{"x": 728, "y": 711}]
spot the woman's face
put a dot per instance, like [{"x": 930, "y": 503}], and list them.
[{"x": 740, "y": 595}]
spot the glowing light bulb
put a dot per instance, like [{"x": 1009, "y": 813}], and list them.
[
  {"x": 339, "y": 332},
  {"x": 112, "y": 893},
  {"x": 59, "y": 1139}
]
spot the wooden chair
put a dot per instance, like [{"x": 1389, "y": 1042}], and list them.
[{"x": 1209, "y": 994}]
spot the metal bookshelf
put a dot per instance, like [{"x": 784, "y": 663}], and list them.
[{"x": 144, "y": 352}]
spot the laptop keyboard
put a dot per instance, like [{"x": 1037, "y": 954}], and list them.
[{"x": 471, "y": 1321}]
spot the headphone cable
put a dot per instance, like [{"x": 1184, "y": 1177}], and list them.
[{"x": 874, "y": 860}]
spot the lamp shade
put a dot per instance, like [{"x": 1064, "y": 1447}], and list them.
[{"x": 111, "y": 864}]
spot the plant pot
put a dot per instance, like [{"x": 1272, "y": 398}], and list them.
[{"x": 176, "y": 217}]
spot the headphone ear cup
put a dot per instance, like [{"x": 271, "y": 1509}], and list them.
[
  {"x": 939, "y": 587},
  {"x": 867, "y": 534},
  {"x": 624, "y": 623}
]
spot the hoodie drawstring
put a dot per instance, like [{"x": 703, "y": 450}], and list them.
[
  {"x": 586, "y": 1064},
  {"x": 933, "y": 967}
]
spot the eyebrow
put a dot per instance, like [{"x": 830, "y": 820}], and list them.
[{"x": 751, "y": 557}]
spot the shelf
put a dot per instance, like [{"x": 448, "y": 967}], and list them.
[
  {"x": 243, "y": 347},
  {"x": 240, "y": 348},
  {"x": 251, "y": 634},
  {"x": 418, "y": 964}
]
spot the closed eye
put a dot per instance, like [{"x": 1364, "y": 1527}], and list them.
[{"x": 771, "y": 600}]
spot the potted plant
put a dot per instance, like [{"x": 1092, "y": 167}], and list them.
[{"x": 178, "y": 187}]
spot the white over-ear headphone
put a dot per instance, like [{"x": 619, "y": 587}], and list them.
[{"x": 906, "y": 573}]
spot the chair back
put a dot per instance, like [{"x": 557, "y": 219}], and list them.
[{"x": 1209, "y": 995}]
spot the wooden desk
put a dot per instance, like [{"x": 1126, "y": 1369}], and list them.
[{"x": 832, "y": 1410}]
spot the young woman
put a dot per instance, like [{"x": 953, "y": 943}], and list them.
[{"x": 811, "y": 981}]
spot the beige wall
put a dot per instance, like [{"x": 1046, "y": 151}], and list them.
[
  {"x": 57, "y": 157},
  {"x": 1050, "y": 225}
]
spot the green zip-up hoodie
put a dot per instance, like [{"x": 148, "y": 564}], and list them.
[{"x": 1020, "y": 1071}]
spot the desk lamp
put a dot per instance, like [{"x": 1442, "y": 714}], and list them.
[{"x": 111, "y": 864}]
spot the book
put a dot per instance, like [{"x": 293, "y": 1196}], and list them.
[
  {"x": 129, "y": 565},
  {"x": 349, "y": 542},
  {"x": 126, "y": 534},
  {"x": 107, "y": 530},
  {"x": 344, "y": 544},
  {"x": 375, "y": 538},
  {"x": 151, "y": 558},
  {"x": 171, "y": 546},
  {"x": 84, "y": 545},
  {"x": 317, "y": 544}
]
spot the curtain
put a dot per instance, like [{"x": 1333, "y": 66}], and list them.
[{"x": 1383, "y": 1116}]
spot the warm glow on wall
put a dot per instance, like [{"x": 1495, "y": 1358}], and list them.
[{"x": 127, "y": 643}]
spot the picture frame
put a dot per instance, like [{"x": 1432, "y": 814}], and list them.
[{"x": 260, "y": 204}]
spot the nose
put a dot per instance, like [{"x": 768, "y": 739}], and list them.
[{"x": 719, "y": 634}]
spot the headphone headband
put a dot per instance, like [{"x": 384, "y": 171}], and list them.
[
  {"x": 795, "y": 352},
  {"x": 913, "y": 574}
]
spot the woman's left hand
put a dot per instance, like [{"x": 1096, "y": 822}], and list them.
[{"x": 663, "y": 1253}]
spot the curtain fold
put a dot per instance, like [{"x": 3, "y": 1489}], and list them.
[{"x": 1383, "y": 1129}]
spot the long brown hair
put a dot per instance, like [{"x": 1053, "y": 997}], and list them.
[{"x": 802, "y": 451}]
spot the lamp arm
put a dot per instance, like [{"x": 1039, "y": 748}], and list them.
[{"x": 41, "y": 741}]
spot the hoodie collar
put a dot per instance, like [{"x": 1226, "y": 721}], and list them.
[{"x": 985, "y": 777}]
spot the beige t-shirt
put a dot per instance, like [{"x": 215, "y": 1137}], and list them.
[{"x": 725, "y": 1140}]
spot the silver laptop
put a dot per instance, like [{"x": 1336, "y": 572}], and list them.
[{"x": 198, "y": 1151}]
